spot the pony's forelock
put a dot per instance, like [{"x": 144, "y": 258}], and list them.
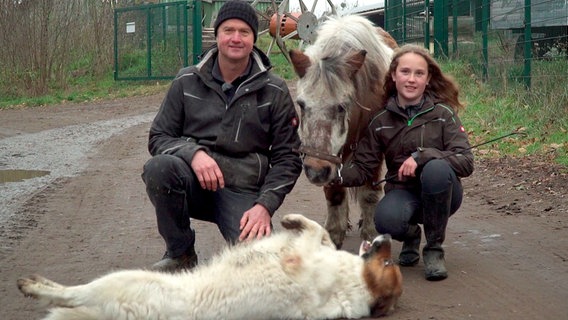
[{"x": 337, "y": 38}]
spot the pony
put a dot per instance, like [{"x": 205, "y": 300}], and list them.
[
  {"x": 294, "y": 274},
  {"x": 339, "y": 90}
]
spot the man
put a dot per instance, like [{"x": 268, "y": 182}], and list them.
[{"x": 222, "y": 143}]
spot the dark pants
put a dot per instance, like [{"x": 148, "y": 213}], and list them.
[
  {"x": 400, "y": 208},
  {"x": 176, "y": 195}
]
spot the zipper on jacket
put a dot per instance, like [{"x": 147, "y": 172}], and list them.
[
  {"x": 409, "y": 123},
  {"x": 259, "y": 168},
  {"x": 244, "y": 108}
]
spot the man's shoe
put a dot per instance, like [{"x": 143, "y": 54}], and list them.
[{"x": 186, "y": 261}]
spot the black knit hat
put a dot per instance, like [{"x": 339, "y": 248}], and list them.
[{"x": 237, "y": 9}]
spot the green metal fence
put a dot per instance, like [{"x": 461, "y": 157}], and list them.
[
  {"x": 154, "y": 41},
  {"x": 502, "y": 39}
]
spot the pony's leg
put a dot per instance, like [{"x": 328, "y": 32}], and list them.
[
  {"x": 368, "y": 197},
  {"x": 47, "y": 291},
  {"x": 308, "y": 228},
  {"x": 337, "y": 221}
]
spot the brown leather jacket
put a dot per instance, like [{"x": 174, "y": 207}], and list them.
[{"x": 434, "y": 132}]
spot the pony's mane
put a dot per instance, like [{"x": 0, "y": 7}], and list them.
[{"x": 337, "y": 39}]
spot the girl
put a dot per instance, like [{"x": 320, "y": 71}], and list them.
[{"x": 426, "y": 150}]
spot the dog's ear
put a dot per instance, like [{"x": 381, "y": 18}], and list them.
[{"x": 364, "y": 247}]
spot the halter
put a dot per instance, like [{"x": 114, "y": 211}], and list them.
[
  {"x": 312, "y": 152},
  {"x": 309, "y": 151}
]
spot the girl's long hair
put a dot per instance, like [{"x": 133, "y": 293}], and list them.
[{"x": 442, "y": 88}]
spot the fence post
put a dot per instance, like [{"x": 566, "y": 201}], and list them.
[
  {"x": 115, "y": 72},
  {"x": 184, "y": 9},
  {"x": 454, "y": 28},
  {"x": 440, "y": 28},
  {"x": 484, "y": 41},
  {"x": 528, "y": 43},
  {"x": 197, "y": 31},
  {"x": 427, "y": 24},
  {"x": 149, "y": 42},
  {"x": 393, "y": 19}
]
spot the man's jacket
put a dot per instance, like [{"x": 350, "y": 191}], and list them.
[{"x": 252, "y": 137}]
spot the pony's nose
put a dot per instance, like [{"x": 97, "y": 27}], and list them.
[{"x": 319, "y": 175}]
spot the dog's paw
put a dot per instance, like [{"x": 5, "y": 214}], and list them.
[{"x": 26, "y": 286}]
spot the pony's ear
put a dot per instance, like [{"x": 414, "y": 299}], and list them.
[
  {"x": 387, "y": 38},
  {"x": 300, "y": 61},
  {"x": 355, "y": 62}
]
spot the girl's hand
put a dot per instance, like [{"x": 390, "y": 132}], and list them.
[{"x": 407, "y": 169}]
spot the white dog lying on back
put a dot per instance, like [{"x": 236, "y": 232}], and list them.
[{"x": 294, "y": 274}]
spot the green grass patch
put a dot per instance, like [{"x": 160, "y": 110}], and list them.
[
  {"x": 89, "y": 88},
  {"x": 540, "y": 112}
]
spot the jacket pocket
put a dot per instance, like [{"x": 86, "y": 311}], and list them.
[{"x": 242, "y": 173}]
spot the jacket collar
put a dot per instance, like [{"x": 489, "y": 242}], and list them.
[
  {"x": 392, "y": 105},
  {"x": 258, "y": 57}
]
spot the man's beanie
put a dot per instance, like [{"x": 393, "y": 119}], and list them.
[{"x": 237, "y": 9}]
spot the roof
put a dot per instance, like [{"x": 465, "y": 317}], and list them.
[{"x": 377, "y": 6}]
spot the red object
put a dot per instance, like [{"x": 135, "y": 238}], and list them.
[{"x": 287, "y": 25}]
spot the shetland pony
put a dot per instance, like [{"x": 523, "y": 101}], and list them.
[
  {"x": 339, "y": 90},
  {"x": 294, "y": 274}
]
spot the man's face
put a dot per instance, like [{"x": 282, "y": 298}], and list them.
[{"x": 235, "y": 40}]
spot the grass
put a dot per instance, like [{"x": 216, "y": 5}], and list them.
[
  {"x": 540, "y": 113},
  {"x": 87, "y": 88}
]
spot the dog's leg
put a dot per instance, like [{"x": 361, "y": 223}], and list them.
[
  {"x": 308, "y": 228},
  {"x": 45, "y": 281},
  {"x": 47, "y": 291}
]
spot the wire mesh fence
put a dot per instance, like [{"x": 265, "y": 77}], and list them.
[
  {"x": 152, "y": 41},
  {"x": 505, "y": 41}
]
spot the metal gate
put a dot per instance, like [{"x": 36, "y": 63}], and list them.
[
  {"x": 427, "y": 22},
  {"x": 154, "y": 41},
  {"x": 408, "y": 20}
]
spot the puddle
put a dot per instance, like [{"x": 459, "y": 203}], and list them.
[{"x": 19, "y": 175}]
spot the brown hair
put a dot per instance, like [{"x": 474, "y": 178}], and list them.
[{"x": 441, "y": 88}]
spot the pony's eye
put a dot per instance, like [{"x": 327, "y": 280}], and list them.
[
  {"x": 341, "y": 109},
  {"x": 302, "y": 105}
]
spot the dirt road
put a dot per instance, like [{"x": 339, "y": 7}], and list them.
[{"x": 507, "y": 247}]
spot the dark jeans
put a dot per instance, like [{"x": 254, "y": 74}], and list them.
[
  {"x": 400, "y": 208},
  {"x": 176, "y": 195}
]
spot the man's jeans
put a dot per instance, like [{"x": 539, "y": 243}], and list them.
[{"x": 176, "y": 195}]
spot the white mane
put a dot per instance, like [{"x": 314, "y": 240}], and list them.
[{"x": 337, "y": 38}]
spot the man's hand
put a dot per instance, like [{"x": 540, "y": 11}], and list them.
[
  {"x": 207, "y": 171},
  {"x": 407, "y": 169},
  {"x": 255, "y": 223}
]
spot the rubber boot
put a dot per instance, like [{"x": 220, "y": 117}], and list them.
[
  {"x": 436, "y": 214},
  {"x": 410, "y": 253}
]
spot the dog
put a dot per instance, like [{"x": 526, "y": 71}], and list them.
[{"x": 294, "y": 274}]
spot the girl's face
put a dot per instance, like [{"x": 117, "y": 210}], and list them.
[{"x": 411, "y": 77}]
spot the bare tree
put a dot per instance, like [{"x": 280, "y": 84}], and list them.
[{"x": 45, "y": 42}]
